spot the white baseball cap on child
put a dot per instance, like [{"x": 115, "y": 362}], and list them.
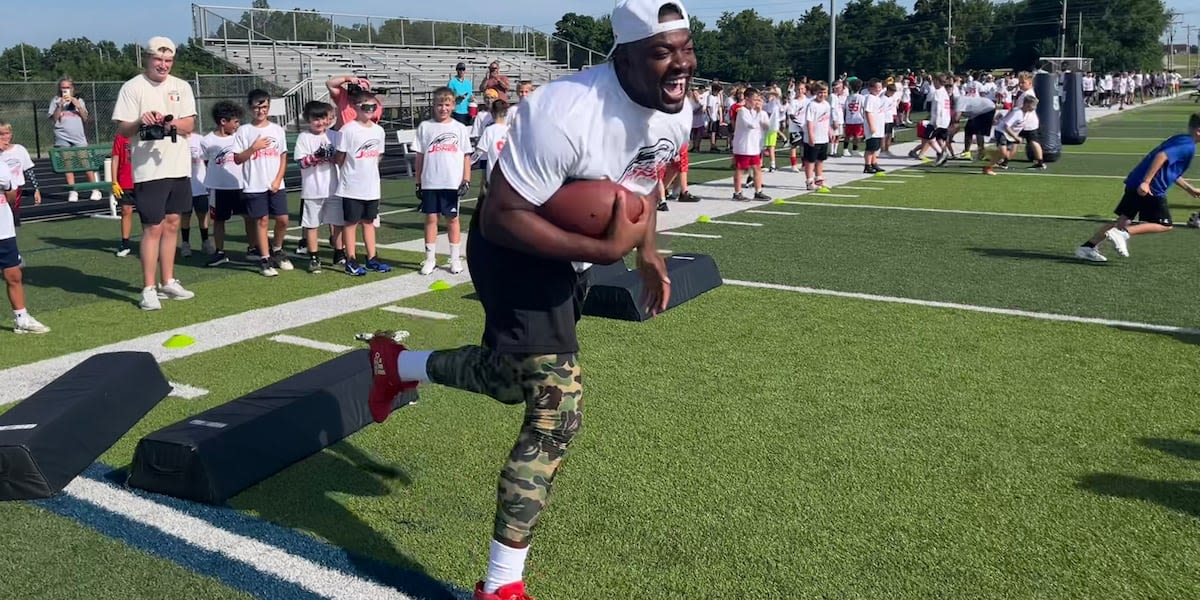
[
  {"x": 159, "y": 44},
  {"x": 634, "y": 20}
]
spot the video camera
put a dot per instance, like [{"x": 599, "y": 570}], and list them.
[{"x": 150, "y": 133}]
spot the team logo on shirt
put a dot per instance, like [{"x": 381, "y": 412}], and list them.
[
  {"x": 649, "y": 161},
  {"x": 173, "y": 95},
  {"x": 500, "y": 145},
  {"x": 446, "y": 142},
  {"x": 224, "y": 157},
  {"x": 368, "y": 149},
  {"x": 272, "y": 150}
]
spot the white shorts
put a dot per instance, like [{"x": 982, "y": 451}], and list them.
[{"x": 322, "y": 211}]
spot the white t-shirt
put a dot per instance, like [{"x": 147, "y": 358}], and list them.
[
  {"x": 837, "y": 108},
  {"x": 854, "y": 109},
  {"x": 319, "y": 181},
  {"x": 358, "y": 176},
  {"x": 223, "y": 172},
  {"x": 873, "y": 110},
  {"x": 940, "y": 108},
  {"x": 891, "y": 107},
  {"x": 712, "y": 106},
  {"x": 199, "y": 170},
  {"x": 1088, "y": 83},
  {"x": 263, "y": 167},
  {"x": 159, "y": 159},
  {"x": 482, "y": 120},
  {"x": 492, "y": 143},
  {"x": 16, "y": 161},
  {"x": 8, "y": 227},
  {"x": 596, "y": 132},
  {"x": 817, "y": 116},
  {"x": 751, "y": 128},
  {"x": 444, "y": 146},
  {"x": 973, "y": 106},
  {"x": 1016, "y": 119},
  {"x": 696, "y": 107},
  {"x": 795, "y": 114},
  {"x": 1031, "y": 120}
]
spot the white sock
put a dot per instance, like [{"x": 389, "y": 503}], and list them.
[
  {"x": 455, "y": 251},
  {"x": 505, "y": 565},
  {"x": 431, "y": 252},
  {"x": 21, "y": 314},
  {"x": 411, "y": 365}
]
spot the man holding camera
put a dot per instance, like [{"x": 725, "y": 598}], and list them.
[{"x": 157, "y": 112}]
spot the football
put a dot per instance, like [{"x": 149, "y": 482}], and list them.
[{"x": 586, "y": 206}]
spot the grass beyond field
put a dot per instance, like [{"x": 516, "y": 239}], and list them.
[{"x": 751, "y": 443}]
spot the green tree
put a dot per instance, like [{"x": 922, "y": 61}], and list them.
[{"x": 751, "y": 49}]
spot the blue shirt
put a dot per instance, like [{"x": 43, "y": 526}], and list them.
[
  {"x": 1179, "y": 149},
  {"x": 461, "y": 88}
]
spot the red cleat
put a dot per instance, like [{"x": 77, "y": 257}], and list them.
[
  {"x": 386, "y": 383},
  {"x": 512, "y": 591}
]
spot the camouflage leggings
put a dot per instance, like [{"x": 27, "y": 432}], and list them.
[{"x": 551, "y": 388}]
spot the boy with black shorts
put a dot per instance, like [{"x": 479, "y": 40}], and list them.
[
  {"x": 817, "y": 117},
  {"x": 443, "y": 172},
  {"x": 874, "y": 116},
  {"x": 1146, "y": 193},
  {"x": 224, "y": 178},
  {"x": 359, "y": 149},
  {"x": 10, "y": 261},
  {"x": 1008, "y": 133},
  {"x": 261, "y": 148},
  {"x": 200, "y": 201}
]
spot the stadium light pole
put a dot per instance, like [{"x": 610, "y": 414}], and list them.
[
  {"x": 949, "y": 35},
  {"x": 832, "y": 41}
]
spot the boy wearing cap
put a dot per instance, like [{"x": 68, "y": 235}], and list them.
[
  {"x": 161, "y": 167},
  {"x": 463, "y": 93},
  {"x": 622, "y": 120}
]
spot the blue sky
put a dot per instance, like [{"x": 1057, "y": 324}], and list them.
[{"x": 136, "y": 20}]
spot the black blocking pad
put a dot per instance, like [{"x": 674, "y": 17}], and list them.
[
  {"x": 49, "y": 438},
  {"x": 1049, "y": 113},
  {"x": 1074, "y": 111},
  {"x": 616, "y": 291},
  {"x": 212, "y": 456}
]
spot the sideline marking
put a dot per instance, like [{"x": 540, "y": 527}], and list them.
[
  {"x": 307, "y": 343},
  {"x": 262, "y": 557},
  {"x": 947, "y": 210},
  {"x": 831, "y": 195},
  {"x": 187, "y": 392},
  {"x": 742, "y": 223},
  {"x": 861, "y": 188},
  {"x": 707, "y": 236},
  {"x": 970, "y": 307},
  {"x": 416, "y": 312},
  {"x": 772, "y": 212}
]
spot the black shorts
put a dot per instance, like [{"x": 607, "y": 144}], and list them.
[
  {"x": 128, "y": 198},
  {"x": 889, "y": 130},
  {"x": 158, "y": 198},
  {"x": 439, "y": 202},
  {"x": 530, "y": 304},
  {"x": 1147, "y": 209},
  {"x": 200, "y": 204},
  {"x": 1029, "y": 135},
  {"x": 874, "y": 144},
  {"x": 1002, "y": 140},
  {"x": 9, "y": 255},
  {"x": 936, "y": 133},
  {"x": 359, "y": 211},
  {"x": 817, "y": 153},
  {"x": 981, "y": 124},
  {"x": 795, "y": 139},
  {"x": 227, "y": 203},
  {"x": 264, "y": 204}
]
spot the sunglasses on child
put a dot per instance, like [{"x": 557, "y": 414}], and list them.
[{"x": 368, "y": 107}]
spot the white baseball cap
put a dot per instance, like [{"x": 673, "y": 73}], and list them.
[
  {"x": 634, "y": 20},
  {"x": 160, "y": 44}
]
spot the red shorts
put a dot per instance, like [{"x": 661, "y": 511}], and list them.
[
  {"x": 855, "y": 131},
  {"x": 683, "y": 158},
  {"x": 904, "y": 106},
  {"x": 1008, "y": 106},
  {"x": 746, "y": 161},
  {"x": 16, "y": 203}
]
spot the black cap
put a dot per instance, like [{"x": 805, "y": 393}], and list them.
[{"x": 460, "y": 67}]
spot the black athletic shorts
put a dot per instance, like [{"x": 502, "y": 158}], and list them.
[
  {"x": 817, "y": 153},
  {"x": 889, "y": 130},
  {"x": 936, "y": 133},
  {"x": 266, "y": 204},
  {"x": 227, "y": 203},
  {"x": 981, "y": 124},
  {"x": 530, "y": 304},
  {"x": 1029, "y": 136},
  {"x": 355, "y": 211},
  {"x": 874, "y": 144},
  {"x": 9, "y": 255},
  {"x": 439, "y": 202},
  {"x": 1147, "y": 209},
  {"x": 128, "y": 198},
  {"x": 200, "y": 204},
  {"x": 158, "y": 198}
]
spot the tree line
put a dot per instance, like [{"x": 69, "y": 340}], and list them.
[{"x": 879, "y": 37}]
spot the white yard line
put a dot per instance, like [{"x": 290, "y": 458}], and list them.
[
  {"x": 832, "y": 195},
  {"x": 307, "y": 343},
  {"x": 262, "y": 557},
  {"x": 943, "y": 210},
  {"x": 885, "y": 181},
  {"x": 707, "y": 236},
  {"x": 772, "y": 212},
  {"x": 859, "y": 188},
  {"x": 416, "y": 312},
  {"x": 741, "y": 223},
  {"x": 969, "y": 307}
]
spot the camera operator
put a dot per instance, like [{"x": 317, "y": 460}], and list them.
[
  {"x": 340, "y": 89},
  {"x": 157, "y": 112}
]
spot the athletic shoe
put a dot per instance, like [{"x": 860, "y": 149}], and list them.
[
  {"x": 353, "y": 270},
  {"x": 265, "y": 269},
  {"x": 1091, "y": 254},
  {"x": 512, "y": 591},
  {"x": 989, "y": 171},
  {"x": 314, "y": 264},
  {"x": 761, "y": 196},
  {"x": 876, "y": 169},
  {"x": 941, "y": 159},
  {"x": 339, "y": 257},
  {"x": 739, "y": 197},
  {"x": 688, "y": 197},
  {"x": 185, "y": 249},
  {"x": 385, "y": 369},
  {"x": 150, "y": 300},
  {"x": 96, "y": 195},
  {"x": 1119, "y": 239},
  {"x": 662, "y": 206},
  {"x": 28, "y": 324},
  {"x": 73, "y": 197},
  {"x": 456, "y": 266},
  {"x": 218, "y": 259},
  {"x": 1038, "y": 165},
  {"x": 374, "y": 264},
  {"x": 174, "y": 290},
  {"x": 208, "y": 247},
  {"x": 280, "y": 261},
  {"x": 427, "y": 266},
  {"x": 124, "y": 251}
]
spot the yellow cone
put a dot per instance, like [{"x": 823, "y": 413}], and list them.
[
  {"x": 823, "y": 190},
  {"x": 178, "y": 341},
  {"x": 881, "y": 174},
  {"x": 439, "y": 285},
  {"x": 703, "y": 219},
  {"x": 778, "y": 202}
]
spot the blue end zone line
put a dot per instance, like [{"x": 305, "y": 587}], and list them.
[{"x": 232, "y": 572}]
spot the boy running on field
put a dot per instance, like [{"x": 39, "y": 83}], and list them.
[
  {"x": 1146, "y": 193},
  {"x": 443, "y": 171},
  {"x": 318, "y": 179},
  {"x": 1008, "y": 133}
]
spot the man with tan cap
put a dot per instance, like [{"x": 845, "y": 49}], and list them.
[
  {"x": 162, "y": 166},
  {"x": 624, "y": 121}
]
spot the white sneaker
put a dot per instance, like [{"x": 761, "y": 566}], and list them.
[
  {"x": 456, "y": 266},
  {"x": 1119, "y": 239},
  {"x": 73, "y": 197},
  {"x": 150, "y": 300},
  {"x": 123, "y": 252},
  {"x": 28, "y": 324},
  {"x": 96, "y": 195},
  {"x": 185, "y": 249},
  {"x": 427, "y": 266},
  {"x": 1091, "y": 254},
  {"x": 174, "y": 290},
  {"x": 209, "y": 247}
]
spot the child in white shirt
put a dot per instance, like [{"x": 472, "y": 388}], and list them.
[
  {"x": 199, "y": 201},
  {"x": 10, "y": 256},
  {"x": 817, "y": 120},
  {"x": 443, "y": 170},
  {"x": 318, "y": 180},
  {"x": 751, "y": 126},
  {"x": 223, "y": 178},
  {"x": 261, "y": 148},
  {"x": 1008, "y": 133},
  {"x": 359, "y": 150}
]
